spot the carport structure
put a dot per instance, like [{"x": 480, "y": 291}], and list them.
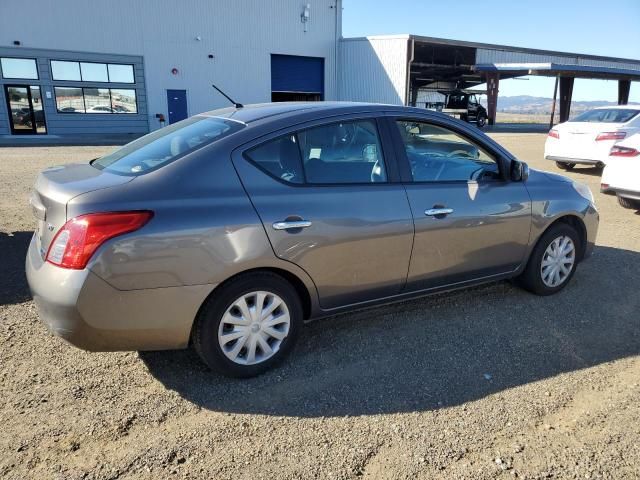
[{"x": 413, "y": 64}]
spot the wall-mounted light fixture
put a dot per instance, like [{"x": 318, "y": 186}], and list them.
[{"x": 305, "y": 16}]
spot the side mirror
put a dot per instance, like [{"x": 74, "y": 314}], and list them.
[{"x": 519, "y": 171}]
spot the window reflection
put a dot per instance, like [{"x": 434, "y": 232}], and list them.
[
  {"x": 69, "y": 100},
  {"x": 94, "y": 72},
  {"x": 65, "y": 70}
]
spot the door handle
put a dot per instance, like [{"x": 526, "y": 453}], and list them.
[
  {"x": 291, "y": 224},
  {"x": 434, "y": 212}
]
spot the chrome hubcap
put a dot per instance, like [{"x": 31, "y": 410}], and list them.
[
  {"x": 253, "y": 328},
  {"x": 557, "y": 261}
]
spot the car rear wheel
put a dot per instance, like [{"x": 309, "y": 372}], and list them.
[
  {"x": 481, "y": 121},
  {"x": 565, "y": 166},
  {"x": 249, "y": 325},
  {"x": 553, "y": 261},
  {"x": 629, "y": 203}
]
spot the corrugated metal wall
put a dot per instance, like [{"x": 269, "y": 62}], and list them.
[
  {"x": 374, "y": 69},
  {"x": 485, "y": 55},
  {"x": 240, "y": 34}
]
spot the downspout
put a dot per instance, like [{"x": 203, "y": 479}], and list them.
[{"x": 410, "y": 58}]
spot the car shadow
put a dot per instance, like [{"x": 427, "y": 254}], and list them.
[
  {"x": 433, "y": 352},
  {"x": 13, "y": 282}
]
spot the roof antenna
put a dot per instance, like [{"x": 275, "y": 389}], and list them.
[{"x": 236, "y": 104}]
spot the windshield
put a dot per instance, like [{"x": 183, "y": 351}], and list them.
[
  {"x": 166, "y": 145},
  {"x": 607, "y": 115}
]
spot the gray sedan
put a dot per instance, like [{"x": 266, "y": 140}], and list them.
[{"x": 228, "y": 230}]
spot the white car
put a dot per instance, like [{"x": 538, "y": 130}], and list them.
[
  {"x": 621, "y": 176},
  {"x": 588, "y": 138},
  {"x": 100, "y": 109}
]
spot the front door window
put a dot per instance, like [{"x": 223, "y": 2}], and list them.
[{"x": 26, "y": 109}]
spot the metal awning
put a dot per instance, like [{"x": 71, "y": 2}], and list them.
[{"x": 558, "y": 69}]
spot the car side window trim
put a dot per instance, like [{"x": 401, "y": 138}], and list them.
[
  {"x": 403, "y": 160},
  {"x": 384, "y": 137}
]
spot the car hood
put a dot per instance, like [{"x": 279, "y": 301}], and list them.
[{"x": 540, "y": 175}]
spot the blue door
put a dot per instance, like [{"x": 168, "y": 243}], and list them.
[
  {"x": 295, "y": 78},
  {"x": 177, "y": 105}
]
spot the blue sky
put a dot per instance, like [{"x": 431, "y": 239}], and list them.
[{"x": 580, "y": 26}]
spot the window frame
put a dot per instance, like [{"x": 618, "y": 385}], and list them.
[
  {"x": 2, "y": 73},
  {"x": 384, "y": 137},
  {"x": 82, "y": 88},
  {"x": 406, "y": 175},
  {"x": 106, "y": 64}
]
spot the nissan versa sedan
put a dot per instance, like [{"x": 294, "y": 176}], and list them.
[{"x": 228, "y": 230}]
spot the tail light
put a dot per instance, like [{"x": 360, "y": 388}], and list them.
[
  {"x": 610, "y": 136},
  {"x": 80, "y": 237},
  {"x": 554, "y": 134},
  {"x": 617, "y": 151}
]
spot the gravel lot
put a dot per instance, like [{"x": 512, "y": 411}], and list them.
[{"x": 490, "y": 382}]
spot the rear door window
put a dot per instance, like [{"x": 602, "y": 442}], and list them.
[
  {"x": 166, "y": 145},
  {"x": 347, "y": 152}
]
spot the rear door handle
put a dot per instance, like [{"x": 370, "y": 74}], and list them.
[
  {"x": 434, "y": 212},
  {"x": 292, "y": 224}
]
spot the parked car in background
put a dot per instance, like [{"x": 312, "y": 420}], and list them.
[
  {"x": 621, "y": 176},
  {"x": 588, "y": 138},
  {"x": 228, "y": 230},
  {"x": 100, "y": 109},
  {"x": 463, "y": 105}
]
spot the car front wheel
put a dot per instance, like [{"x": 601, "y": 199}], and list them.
[
  {"x": 249, "y": 325},
  {"x": 481, "y": 121},
  {"x": 553, "y": 261}
]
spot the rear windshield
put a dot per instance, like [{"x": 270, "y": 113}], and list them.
[
  {"x": 607, "y": 115},
  {"x": 166, "y": 145}
]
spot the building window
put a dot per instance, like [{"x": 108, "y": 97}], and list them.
[
  {"x": 19, "y": 68},
  {"x": 120, "y": 73},
  {"x": 95, "y": 100},
  {"x": 69, "y": 100},
  {"x": 91, "y": 72},
  {"x": 65, "y": 70},
  {"x": 123, "y": 101},
  {"x": 94, "y": 72}
]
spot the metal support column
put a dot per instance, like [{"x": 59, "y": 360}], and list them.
[
  {"x": 553, "y": 104},
  {"x": 566, "y": 91},
  {"x": 493, "y": 81},
  {"x": 623, "y": 91}
]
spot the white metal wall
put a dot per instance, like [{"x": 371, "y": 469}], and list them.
[
  {"x": 240, "y": 34},
  {"x": 374, "y": 69},
  {"x": 485, "y": 55}
]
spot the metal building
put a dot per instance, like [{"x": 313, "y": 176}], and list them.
[
  {"x": 396, "y": 69},
  {"x": 86, "y": 70}
]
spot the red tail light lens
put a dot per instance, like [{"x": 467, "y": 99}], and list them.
[
  {"x": 554, "y": 134},
  {"x": 80, "y": 237},
  {"x": 623, "y": 152},
  {"x": 610, "y": 136}
]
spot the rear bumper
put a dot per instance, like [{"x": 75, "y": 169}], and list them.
[
  {"x": 87, "y": 312},
  {"x": 620, "y": 192}
]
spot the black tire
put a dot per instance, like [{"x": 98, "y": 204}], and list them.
[
  {"x": 629, "y": 203},
  {"x": 481, "y": 121},
  {"x": 565, "y": 166},
  {"x": 531, "y": 278},
  {"x": 205, "y": 332}
]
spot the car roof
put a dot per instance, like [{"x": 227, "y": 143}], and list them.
[
  {"x": 259, "y": 111},
  {"x": 631, "y": 106}
]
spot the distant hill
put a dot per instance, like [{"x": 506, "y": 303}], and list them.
[{"x": 527, "y": 104}]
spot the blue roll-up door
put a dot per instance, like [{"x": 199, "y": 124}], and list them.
[{"x": 291, "y": 73}]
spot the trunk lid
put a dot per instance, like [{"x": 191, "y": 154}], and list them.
[
  {"x": 55, "y": 187},
  {"x": 578, "y": 139}
]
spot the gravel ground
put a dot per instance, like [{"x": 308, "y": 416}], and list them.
[{"x": 490, "y": 382}]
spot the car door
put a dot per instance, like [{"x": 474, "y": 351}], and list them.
[
  {"x": 470, "y": 221},
  {"x": 330, "y": 200}
]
